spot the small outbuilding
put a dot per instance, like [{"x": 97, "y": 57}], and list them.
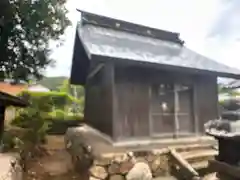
[
  {"x": 5, "y": 101},
  {"x": 141, "y": 82}
]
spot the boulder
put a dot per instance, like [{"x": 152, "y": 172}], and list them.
[{"x": 140, "y": 171}]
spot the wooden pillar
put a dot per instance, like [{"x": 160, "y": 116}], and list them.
[
  {"x": 150, "y": 111},
  {"x": 2, "y": 117},
  {"x": 195, "y": 110},
  {"x": 111, "y": 96},
  {"x": 176, "y": 110}
]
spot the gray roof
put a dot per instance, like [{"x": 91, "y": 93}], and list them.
[
  {"x": 104, "y": 38},
  {"x": 124, "y": 45}
]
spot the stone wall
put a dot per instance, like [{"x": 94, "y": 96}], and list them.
[{"x": 119, "y": 166}]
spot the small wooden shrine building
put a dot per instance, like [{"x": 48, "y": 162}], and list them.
[
  {"x": 141, "y": 82},
  {"x": 5, "y": 101}
]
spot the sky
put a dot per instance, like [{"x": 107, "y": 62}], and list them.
[{"x": 209, "y": 27}]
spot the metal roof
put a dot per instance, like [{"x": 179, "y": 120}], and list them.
[
  {"x": 100, "y": 38},
  {"x": 123, "y": 45}
]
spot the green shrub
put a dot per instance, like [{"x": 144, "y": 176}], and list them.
[
  {"x": 58, "y": 114},
  {"x": 33, "y": 117},
  {"x": 56, "y": 99},
  {"x": 8, "y": 141}
]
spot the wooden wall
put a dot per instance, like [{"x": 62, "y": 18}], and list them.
[
  {"x": 98, "y": 110},
  {"x": 120, "y": 102},
  {"x": 132, "y": 103},
  {"x": 206, "y": 100},
  {"x": 138, "y": 106}
]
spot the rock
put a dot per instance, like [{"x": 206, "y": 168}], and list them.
[
  {"x": 114, "y": 168},
  {"x": 140, "y": 159},
  {"x": 140, "y": 171},
  {"x": 93, "y": 178},
  {"x": 126, "y": 166},
  {"x": 101, "y": 161},
  {"x": 150, "y": 157},
  {"x": 121, "y": 158},
  {"x": 83, "y": 163},
  {"x": 156, "y": 164},
  {"x": 98, "y": 172},
  {"x": 116, "y": 177}
]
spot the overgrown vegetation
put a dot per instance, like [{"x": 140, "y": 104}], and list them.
[
  {"x": 59, "y": 107},
  {"x": 26, "y": 28},
  {"x": 231, "y": 92},
  {"x": 28, "y": 145},
  {"x": 48, "y": 113}
]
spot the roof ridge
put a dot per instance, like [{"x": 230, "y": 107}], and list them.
[{"x": 117, "y": 24}]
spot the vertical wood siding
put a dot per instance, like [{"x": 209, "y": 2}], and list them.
[{"x": 124, "y": 102}]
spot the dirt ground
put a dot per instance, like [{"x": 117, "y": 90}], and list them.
[{"x": 55, "y": 165}]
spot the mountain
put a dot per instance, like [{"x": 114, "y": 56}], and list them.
[{"x": 52, "y": 83}]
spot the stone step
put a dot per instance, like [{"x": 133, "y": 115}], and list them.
[
  {"x": 200, "y": 165},
  {"x": 194, "y": 147},
  {"x": 198, "y": 155}
]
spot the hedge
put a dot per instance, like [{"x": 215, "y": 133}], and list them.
[
  {"x": 57, "y": 99},
  {"x": 51, "y": 106},
  {"x": 59, "y": 127}
]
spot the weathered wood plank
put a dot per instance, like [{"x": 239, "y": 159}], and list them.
[
  {"x": 184, "y": 165},
  {"x": 95, "y": 70}
]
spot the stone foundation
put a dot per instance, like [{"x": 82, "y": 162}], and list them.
[
  {"x": 116, "y": 166},
  {"x": 96, "y": 157},
  {"x": 98, "y": 161}
]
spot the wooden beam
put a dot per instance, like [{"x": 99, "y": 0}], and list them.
[
  {"x": 195, "y": 109},
  {"x": 95, "y": 71},
  {"x": 2, "y": 118},
  {"x": 150, "y": 111},
  {"x": 223, "y": 168},
  {"x": 176, "y": 110},
  {"x": 183, "y": 164},
  {"x": 109, "y": 76}
]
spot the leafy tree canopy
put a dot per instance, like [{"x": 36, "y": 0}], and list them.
[{"x": 26, "y": 26}]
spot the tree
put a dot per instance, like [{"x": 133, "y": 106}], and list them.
[
  {"x": 26, "y": 28},
  {"x": 65, "y": 86},
  {"x": 74, "y": 90},
  {"x": 224, "y": 90}
]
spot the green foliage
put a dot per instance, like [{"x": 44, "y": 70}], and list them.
[
  {"x": 65, "y": 86},
  {"x": 8, "y": 141},
  {"x": 46, "y": 106},
  {"x": 57, "y": 114},
  {"x": 33, "y": 117},
  {"x": 76, "y": 91},
  {"x": 26, "y": 28},
  {"x": 53, "y": 99},
  {"x": 230, "y": 92}
]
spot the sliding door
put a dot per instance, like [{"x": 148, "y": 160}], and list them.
[{"x": 171, "y": 110}]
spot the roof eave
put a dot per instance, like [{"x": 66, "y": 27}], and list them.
[
  {"x": 9, "y": 100},
  {"x": 165, "y": 66}
]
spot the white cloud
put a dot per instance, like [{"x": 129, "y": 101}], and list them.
[{"x": 194, "y": 20}]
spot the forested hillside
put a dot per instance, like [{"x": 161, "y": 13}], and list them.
[{"x": 53, "y": 83}]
